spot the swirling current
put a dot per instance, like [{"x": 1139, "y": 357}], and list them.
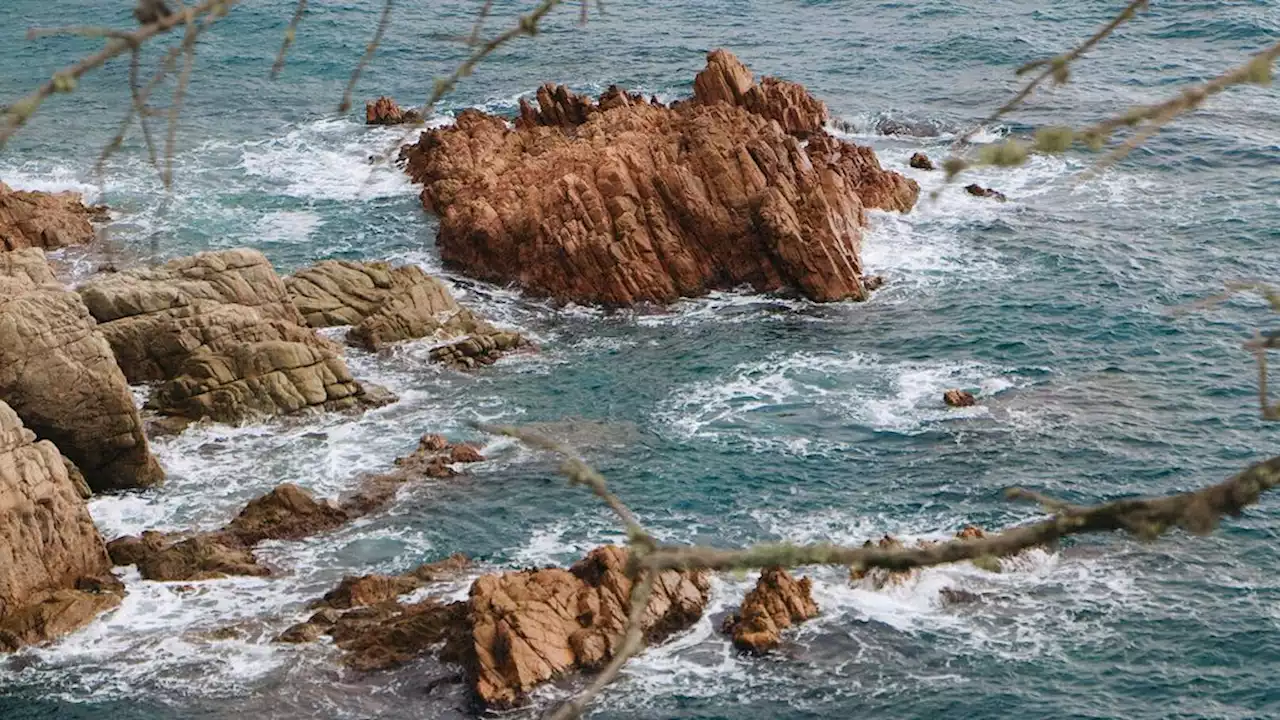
[{"x": 733, "y": 418}]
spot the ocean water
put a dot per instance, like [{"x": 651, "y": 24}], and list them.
[{"x": 734, "y": 418}]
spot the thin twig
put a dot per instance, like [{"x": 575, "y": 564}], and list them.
[
  {"x": 1056, "y": 67},
  {"x": 475, "y": 29},
  {"x": 290, "y": 34},
  {"x": 179, "y": 93},
  {"x": 92, "y": 31},
  {"x": 65, "y": 80},
  {"x": 383, "y": 22}
]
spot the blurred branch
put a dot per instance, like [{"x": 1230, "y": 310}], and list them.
[
  {"x": 290, "y": 34},
  {"x": 66, "y": 80},
  {"x": 383, "y": 22}
]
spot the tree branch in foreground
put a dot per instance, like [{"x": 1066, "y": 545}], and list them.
[{"x": 1197, "y": 512}]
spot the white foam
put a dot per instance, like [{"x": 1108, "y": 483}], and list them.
[{"x": 289, "y": 226}]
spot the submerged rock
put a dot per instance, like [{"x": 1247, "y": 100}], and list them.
[
  {"x": 58, "y": 374},
  {"x": 385, "y": 111},
  {"x": 979, "y": 191},
  {"x": 777, "y": 602},
  {"x": 959, "y": 398},
  {"x": 386, "y": 304},
  {"x": 628, "y": 201},
  {"x": 286, "y": 513},
  {"x": 55, "y": 576},
  {"x": 220, "y": 334},
  {"x": 920, "y": 161},
  {"x": 44, "y": 220}
]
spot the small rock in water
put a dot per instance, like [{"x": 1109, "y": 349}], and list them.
[
  {"x": 979, "y": 191},
  {"x": 920, "y": 161},
  {"x": 872, "y": 282},
  {"x": 955, "y": 596},
  {"x": 958, "y": 398}
]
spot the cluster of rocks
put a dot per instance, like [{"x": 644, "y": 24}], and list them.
[
  {"x": 385, "y": 111},
  {"x": 44, "y": 220},
  {"x": 624, "y": 200}
]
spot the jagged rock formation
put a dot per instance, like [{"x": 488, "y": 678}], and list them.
[
  {"x": 978, "y": 191},
  {"x": 516, "y": 630},
  {"x": 219, "y": 331},
  {"x": 43, "y": 220},
  {"x": 57, "y": 372},
  {"x": 776, "y": 603},
  {"x": 388, "y": 304},
  {"x": 54, "y": 572},
  {"x": 286, "y": 513},
  {"x": 385, "y": 111},
  {"x": 532, "y": 626},
  {"x": 628, "y": 201}
]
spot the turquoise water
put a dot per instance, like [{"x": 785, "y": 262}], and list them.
[{"x": 736, "y": 418}]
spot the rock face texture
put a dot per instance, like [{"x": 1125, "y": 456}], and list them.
[
  {"x": 286, "y": 513},
  {"x": 529, "y": 627},
  {"x": 386, "y": 304},
  {"x": 54, "y": 571},
  {"x": 385, "y": 111},
  {"x": 626, "y": 200},
  {"x": 219, "y": 331},
  {"x": 43, "y": 220},
  {"x": 57, "y": 372},
  {"x": 959, "y": 398},
  {"x": 920, "y": 161},
  {"x": 777, "y": 602}
]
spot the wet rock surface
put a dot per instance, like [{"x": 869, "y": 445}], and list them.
[
  {"x": 777, "y": 602},
  {"x": 385, "y": 111},
  {"x": 44, "y": 220}
]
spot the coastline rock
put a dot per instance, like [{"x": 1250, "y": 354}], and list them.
[
  {"x": 532, "y": 626},
  {"x": 388, "y": 304},
  {"x": 43, "y": 220},
  {"x": 58, "y": 374},
  {"x": 385, "y": 111},
  {"x": 959, "y": 398},
  {"x": 220, "y": 333},
  {"x": 54, "y": 571},
  {"x": 776, "y": 603},
  {"x": 630, "y": 201},
  {"x": 873, "y": 282},
  {"x": 979, "y": 191},
  {"x": 287, "y": 512},
  {"x": 920, "y": 161}
]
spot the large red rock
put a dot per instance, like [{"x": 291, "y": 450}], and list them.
[
  {"x": 54, "y": 571},
  {"x": 628, "y": 201},
  {"x": 529, "y": 627},
  {"x": 43, "y": 220},
  {"x": 777, "y": 602}
]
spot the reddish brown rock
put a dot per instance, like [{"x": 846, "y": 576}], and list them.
[
  {"x": 959, "y": 398},
  {"x": 529, "y": 627},
  {"x": 54, "y": 570},
  {"x": 43, "y": 220},
  {"x": 385, "y": 111},
  {"x": 358, "y": 591},
  {"x": 286, "y": 513},
  {"x": 777, "y": 602},
  {"x": 920, "y": 161},
  {"x": 210, "y": 556},
  {"x": 629, "y": 201},
  {"x": 979, "y": 191},
  {"x": 873, "y": 282}
]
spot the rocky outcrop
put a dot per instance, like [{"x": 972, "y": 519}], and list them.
[
  {"x": 629, "y": 201},
  {"x": 58, "y": 373},
  {"x": 286, "y": 513},
  {"x": 959, "y": 398},
  {"x": 54, "y": 571},
  {"x": 220, "y": 333},
  {"x": 777, "y": 602},
  {"x": 727, "y": 80},
  {"x": 44, "y": 220},
  {"x": 920, "y": 161},
  {"x": 529, "y": 627},
  {"x": 386, "y": 304},
  {"x": 385, "y": 111},
  {"x": 979, "y": 191},
  {"x": 880, "y": 578},
  {"x": 359, "y": 591}
]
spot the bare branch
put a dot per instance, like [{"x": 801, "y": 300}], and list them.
[
  {"x": 92, "y": 31},
  {"x": 383, "y": 22},
  {"x": 188, "y": 49},
  {"x": 475, "y": 29},
  {"x": 65, "y": 80},
  {"x": 290, "y": 34}
]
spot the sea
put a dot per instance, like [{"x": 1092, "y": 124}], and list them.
[{"x": 1075, "y": 312}]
